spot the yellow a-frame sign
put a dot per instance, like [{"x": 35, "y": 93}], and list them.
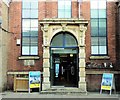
[{"x": 108, "y": 82}]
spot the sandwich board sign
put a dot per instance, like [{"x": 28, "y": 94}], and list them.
[
  {"x": 108, "y": 82},
  {"x": 34, "y": 79}
]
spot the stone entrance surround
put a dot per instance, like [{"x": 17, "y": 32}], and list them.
[{"x": 50, "y": 28}]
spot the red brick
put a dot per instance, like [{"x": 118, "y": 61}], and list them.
[{"x": 49, "y": 10}]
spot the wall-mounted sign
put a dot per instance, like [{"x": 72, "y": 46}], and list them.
[
  {"x": 34, "y": 79},
  {"x": 107, "y": 82},
  {"x": 18, "y": 41}
]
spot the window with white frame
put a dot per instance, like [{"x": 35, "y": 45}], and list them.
[
  {"x": 98, "y": 27},
  {"x": 30, "y": 27}
]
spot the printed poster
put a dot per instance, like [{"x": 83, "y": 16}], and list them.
[
  {"x": 56, "y": 70},
  {"x": 34, "y": 79},
  {"x": 107, "y": 81}
]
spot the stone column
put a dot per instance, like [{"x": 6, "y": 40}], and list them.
[
  {"x": 46, "y": 69},
  {"x": 82, "y": 73},
  {"x": 46, "y": 58}
]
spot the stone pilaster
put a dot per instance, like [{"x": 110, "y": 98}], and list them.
[
  {"x": 82, "y": 73},
  {"x": 46, "y": 58},
  {"x": 46, "y": 69}
]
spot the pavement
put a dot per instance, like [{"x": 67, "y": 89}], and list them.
[{"x": 90, "y": 95}]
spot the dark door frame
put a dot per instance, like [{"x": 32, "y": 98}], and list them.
[{"x": 52, "y": 68}]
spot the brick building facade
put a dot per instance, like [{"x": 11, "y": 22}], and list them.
[
  {"x": 89, "y": 63},
  {"x": 118, "y": 32}
]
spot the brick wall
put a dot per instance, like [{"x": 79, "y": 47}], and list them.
[
  {"x": 75, "y": 7},
  {"x": 111, "y": 23},
  {"x": 93, "y": 82},
  {"x": 85, "y": 13},
  {"x": 111, "y": 33},
  {"x": 14, "y": 64},
  {"x": 46, "y": 10},
  {"x": 49, "y": 10},
  {"x": 118, "y": 36}
]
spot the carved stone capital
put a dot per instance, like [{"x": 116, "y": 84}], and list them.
[
  {"x": 63, "y": 26},
  {"x": 82, "y": 27},
  {"x": 45, "y": 27}
]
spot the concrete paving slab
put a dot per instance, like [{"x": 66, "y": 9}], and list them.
[{"x": 9, "y": 94}]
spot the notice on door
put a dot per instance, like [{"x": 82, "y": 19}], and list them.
[{"x": 56, "y": 70}]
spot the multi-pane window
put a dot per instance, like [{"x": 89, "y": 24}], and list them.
[
  {"x": 29, "y": 27},
  {"x": 64, "y": 8},
  {"x": 98, "y": 27},
  {"x": 64, "y": 40}
]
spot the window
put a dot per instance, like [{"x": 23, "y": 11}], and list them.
[
  {"x": 64, "y": 8},
  {"x": 98, "y": 27},
  {"x": 29, "y": 27},
  {"x": 64, "y": 39}
]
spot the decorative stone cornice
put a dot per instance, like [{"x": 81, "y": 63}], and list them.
[{"x": 63, "y": 21}]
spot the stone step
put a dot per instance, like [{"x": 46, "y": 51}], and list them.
[{"x": 63, "y": 90}]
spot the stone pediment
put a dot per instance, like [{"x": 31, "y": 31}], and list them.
[
  {"x": 64, "y": 21},
  {"x": 50, "y": 27}
]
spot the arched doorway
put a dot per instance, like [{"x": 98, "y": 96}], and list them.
[
  {"x": 52, "y": 28},
  {"x": 64, "y": 60}
]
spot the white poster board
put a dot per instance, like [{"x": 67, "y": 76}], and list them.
[
  {"x": 34, "y": 79},
  {"x": 108, "y": 82}
]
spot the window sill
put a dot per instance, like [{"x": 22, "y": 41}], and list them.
[
  {"x": 105, "y": 68},
  {"x": 29, "y": 58},
  {"x": 99, "y": 57},
  {"x": 94, "y": 72}
]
